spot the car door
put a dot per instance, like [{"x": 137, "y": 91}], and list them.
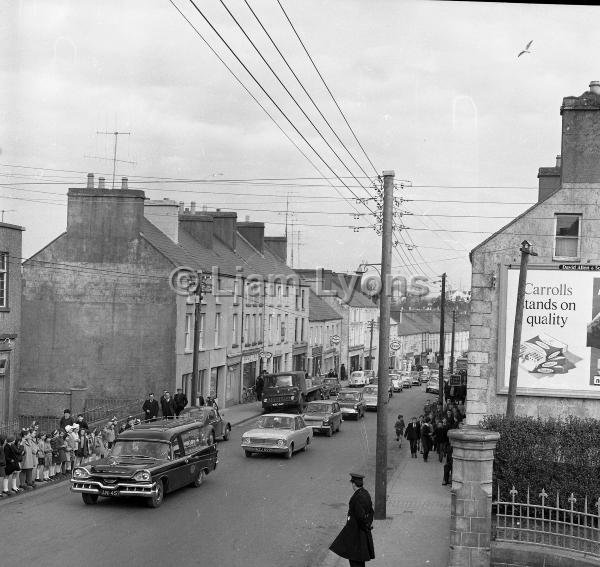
[
  {"x": 193, "y": 444},
  {"x": 178, "y": 471}
]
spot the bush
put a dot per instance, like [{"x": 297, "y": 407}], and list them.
[{"x": 560, "y": 456}]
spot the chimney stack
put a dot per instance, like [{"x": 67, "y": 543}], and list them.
[
  {"x": 181, "y": 207},
  {"x": 204, "y": 208},
  {"x": 124, "y": 183},
  {"x": 247, "y": 218},
  {"x": 595, "y": 87},
  {"x": 101, "y": 183},
  {"x": 193, "y": 207},
  {"x": 558, "y": 161},
  {"x": 90, "y": 181}
]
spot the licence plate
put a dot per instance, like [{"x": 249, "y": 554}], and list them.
[
  {"x": 109, "y": 492},
  {"x": 277, "y": 404},
  {"x": 262, "y": 449}
]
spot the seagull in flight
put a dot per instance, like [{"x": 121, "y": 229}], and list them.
[{"x": 526, "y": 50}]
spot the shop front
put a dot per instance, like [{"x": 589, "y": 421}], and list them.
[
  {"x": 232, "y": 384},
  {"x": 250, "y": 370},
  {"x": 317, "y": 360}
]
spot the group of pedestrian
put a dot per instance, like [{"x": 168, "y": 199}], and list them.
[
  {"x": 31, "y": 457},
  {"x": 169, "y": 406},
  {"x": 429, "y": 432}
]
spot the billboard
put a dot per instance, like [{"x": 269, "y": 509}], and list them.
[{"x": 559, "y": 353}]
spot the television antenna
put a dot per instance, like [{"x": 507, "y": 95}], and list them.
[{"x": 114, "y": 158}]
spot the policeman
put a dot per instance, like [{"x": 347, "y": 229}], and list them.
[{"x": 355, "y": 541}]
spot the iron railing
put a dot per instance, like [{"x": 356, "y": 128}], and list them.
[
  {"x": 9, "y": 427},
  {"x": 550, "y": 523}
]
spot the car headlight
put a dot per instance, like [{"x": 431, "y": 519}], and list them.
[
  {"x": 265, "y": 400},
  {"x": 293, "y": 395},
  {"x": 142, "y": 476},
  {"x": 81, "y": 472},
  {"x": 326, "y": 422},
  {"x": 245, "y": 440},
  {"x": 280, "y": 442},
  {"x": 355, "y": 406}
]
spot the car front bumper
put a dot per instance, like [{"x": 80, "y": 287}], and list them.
[
  {"x": 95, "y": 486},
  {"x": 265, "y": 448}
]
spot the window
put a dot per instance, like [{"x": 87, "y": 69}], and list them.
[
  {"x": 236, "y": 291},
  {"x": 303, "y": 293},
  {"x": 217, "y": 329},
  {"x": 302, "y": 331},
  {"x": 568, "y": 228},
  {"x": 253, "y": 329},
  {"x": 188, "y": 332},
  {"x": 3, "y": 279},
  {"x": 201, "y": 332},
  {"x": 279, "y": 328},
  {"x": 246, "y": 329},
  {"x": 284, "y": 331},
  {"x": 259, "y": 337},
  {"x": 234, "y": 329},
  {"x": 270, "y": 329},
  {"x": 296, "y": 330}
]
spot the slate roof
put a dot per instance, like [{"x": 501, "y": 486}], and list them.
[
  {"x": 318, "y": 310},
  {"x": 417, "y": 322},
  {"x": 357, "y": 299}
]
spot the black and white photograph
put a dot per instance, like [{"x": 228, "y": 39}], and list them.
[{"x": 249, "y": 246}]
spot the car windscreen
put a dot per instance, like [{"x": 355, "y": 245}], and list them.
[
  {"x": 140, "y": 448},
  {"x": 347, "y": 396},
  {"x": 275, "y": 422},
  {"x": 279, "y": 381},
  {"x": 357, "y": 374},
  {"x": 330, "y": 381},
  {"x": 370, "y": 391},
  {"x": 318, "y": 408}
]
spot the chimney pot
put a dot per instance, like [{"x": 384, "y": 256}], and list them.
[
  {"x": 558, "y": 161},
  {"x": 204, "y": 208},
  {"x": 90, "y": 180},
  {"x": 181, "y": 207},
  {"x": 187, "y": 210},
  {"x": 193, "y": 207},
  {"x": 101, "y": 183},
  {"x": 247, "y": 218},
  {"x": 124, "y": 183},
  {"x": 218, "y": 210},
  {"x": 595, "y": 87}
]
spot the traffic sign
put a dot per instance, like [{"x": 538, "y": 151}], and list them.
[
  {"x": 335, "y": 340},
  {"x": 265, "y": 355},
  {"x": 395, "y": 345}
]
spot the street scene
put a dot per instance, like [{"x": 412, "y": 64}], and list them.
[{"x": 299, "y": 284}]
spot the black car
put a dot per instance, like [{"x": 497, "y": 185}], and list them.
[
  {"x": 150, "y": 460},
  {"x": 333, "y": 384}
]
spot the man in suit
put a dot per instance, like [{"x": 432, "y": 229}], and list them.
[
  {"x": 355, "y": 541},
  {"x": 168, "y": 406},
  {"x": 150, "y": 408},
  {"x": 413, "y": 434},
  {"x": 180, "y": 400}
]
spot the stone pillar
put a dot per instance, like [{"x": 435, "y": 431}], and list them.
[
  {"x": 78, "y": 396},
  {"x": 471, "y": 503}
]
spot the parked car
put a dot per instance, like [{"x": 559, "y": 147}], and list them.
[
  {"x": 210, "y": 417},
  {"x": 351, "y": 403},
  {"x": 433, "y": 386},
  {"x": 324, "y": 416},
  {"x": 406, "y": 381},
  {"x": 333, "y": 384},
  {"x": 370, "y": 376},
  {"x": 277, "y": 433},
  {"x": 414, "y": 378},
  {"x": 370, "y": 397},
  {"x": 149, "y": 461},
  {"x": 357, "y": 379},
  {"x": 396, "y": 382}
]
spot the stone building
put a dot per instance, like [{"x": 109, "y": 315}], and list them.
[
  {"x": 559, "y": 368},
  {"x": 324, "y": 324},
  {"x": 10, "y": 316}
]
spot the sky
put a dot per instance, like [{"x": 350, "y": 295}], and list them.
[{"x": 433, "y": 91}]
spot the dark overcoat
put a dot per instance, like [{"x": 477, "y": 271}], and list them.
[
  {"x": 412, "y": 431},
  {"x": 355, "y": 541}
]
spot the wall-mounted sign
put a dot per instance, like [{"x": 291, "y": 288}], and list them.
[
  {"x": 265, "y": 355},
  {"x": 335, "y": 340},
  {"x": 560, "y": 339},
  {"x": 395, "y": 345}
]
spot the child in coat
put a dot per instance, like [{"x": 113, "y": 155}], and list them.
[{"x": 399, "y": 427}]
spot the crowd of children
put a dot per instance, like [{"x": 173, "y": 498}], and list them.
[{"x": 31, "y": 457}]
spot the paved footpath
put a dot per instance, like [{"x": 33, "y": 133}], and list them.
[{"x": 417, "y": 530}]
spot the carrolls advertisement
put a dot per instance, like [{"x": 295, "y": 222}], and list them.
[{"x": 560, "y": 339}]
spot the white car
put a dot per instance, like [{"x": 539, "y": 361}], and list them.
[
  {"x": 370, "y": 397},
  {"x": 358, "y": 379},
  {"x": 433, "y": 386},
  {"x": 278, "y": 433},
  {"x": 396, "y": 382}
]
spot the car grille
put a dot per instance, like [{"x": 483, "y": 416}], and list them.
[
  {"x": 280, "y": 398},
  {"x": 260, "y": 441}
]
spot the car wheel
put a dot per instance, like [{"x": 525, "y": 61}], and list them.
[
  {"x": 199, "y": 480},
  {"x": 157, "y": 498},
  {"x": 305, "y": 448},
  {"x": 89, "y": 499},
  {"x": 329, "y": 432},
  {"x": 290, "y": 452},
  {"x": 227, "y": 433},
  {"x": 247, "y": 453}
]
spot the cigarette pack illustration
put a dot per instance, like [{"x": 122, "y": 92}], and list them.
[{"x": 544, "y": 354}]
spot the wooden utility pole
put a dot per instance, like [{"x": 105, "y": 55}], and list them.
[
  {"x": 442, "y": 340},
  {"x": 384, "y": 346},
  {"x": 526, "y": 251},
  {"x": 452, "y": 345},
  {"x": 370, "y": 326},
  {"x": 196, "y": 288}
]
